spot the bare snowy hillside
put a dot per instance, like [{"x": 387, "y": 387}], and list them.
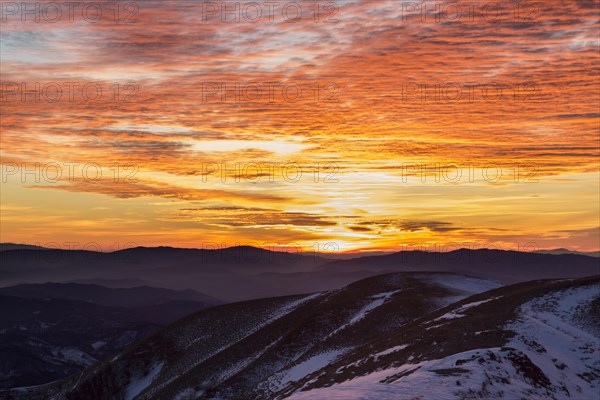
[
  {"x": 548, "y": 349},
  {"x": 395, "y": 336},
  {"x": 256, "y": 349}
]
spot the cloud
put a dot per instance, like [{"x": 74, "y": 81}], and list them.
[
  {"x": 367, "y": 93},
  {"x": 253, "y": 217},
  {"x": 140, "y": 188}
]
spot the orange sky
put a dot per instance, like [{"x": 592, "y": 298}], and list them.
[{"x": 345, "y": 130}]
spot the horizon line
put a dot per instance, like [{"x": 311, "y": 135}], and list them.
[{"x": 293, "y": 249}]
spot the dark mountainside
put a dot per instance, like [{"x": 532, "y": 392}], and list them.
[
  {"x": 49, "y": 331},
  {"x": 121, "y": 297}
]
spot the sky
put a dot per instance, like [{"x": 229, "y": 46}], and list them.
[{"x": 330, "y": 126}]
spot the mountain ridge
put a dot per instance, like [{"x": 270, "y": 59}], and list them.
[
  {"x": 123, "y": 297},
  {"x": 246, "y": 273},
  {"x": 331, "y": 316}
]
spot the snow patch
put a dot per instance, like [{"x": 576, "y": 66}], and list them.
[
  {"x": 390, "y": 350},
  {"x": 377, "y": 300},
  {"x": 137, "y": 385},
  {"x": 305, "y": 368},
  {"x": 313, "y": 364},
  {"x": 465, "y": 284},
  {"x": 189, "y": 394},
  {"x": 74, "y": 355},
  {"x": 457, "y": 312},
  {"x": 99, "y": 344}
]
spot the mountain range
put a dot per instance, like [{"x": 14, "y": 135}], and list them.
[
  {"x": 417, "y": 335},
  {"x": 242, "y": 273},
  {"x": 169, "y": 323}
]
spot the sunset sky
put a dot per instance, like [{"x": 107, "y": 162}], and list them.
[{"x": 347, "y": 128}]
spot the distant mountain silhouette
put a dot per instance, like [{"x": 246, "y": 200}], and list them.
[
  {"x": 567, "y": 251},
  {"x": 18, "y": 246},
  {"x": 122, "y": 297},
  {"x": 113, "y": 283},
  {"x": 240, "y": 273},
  {"x": 231, "y": 273},
  {"x": 347, "y": 256}
]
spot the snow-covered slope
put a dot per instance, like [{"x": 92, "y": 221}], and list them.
[
  {"x": 256, "y": 349},
  {"x": 549, "y": 349}
]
